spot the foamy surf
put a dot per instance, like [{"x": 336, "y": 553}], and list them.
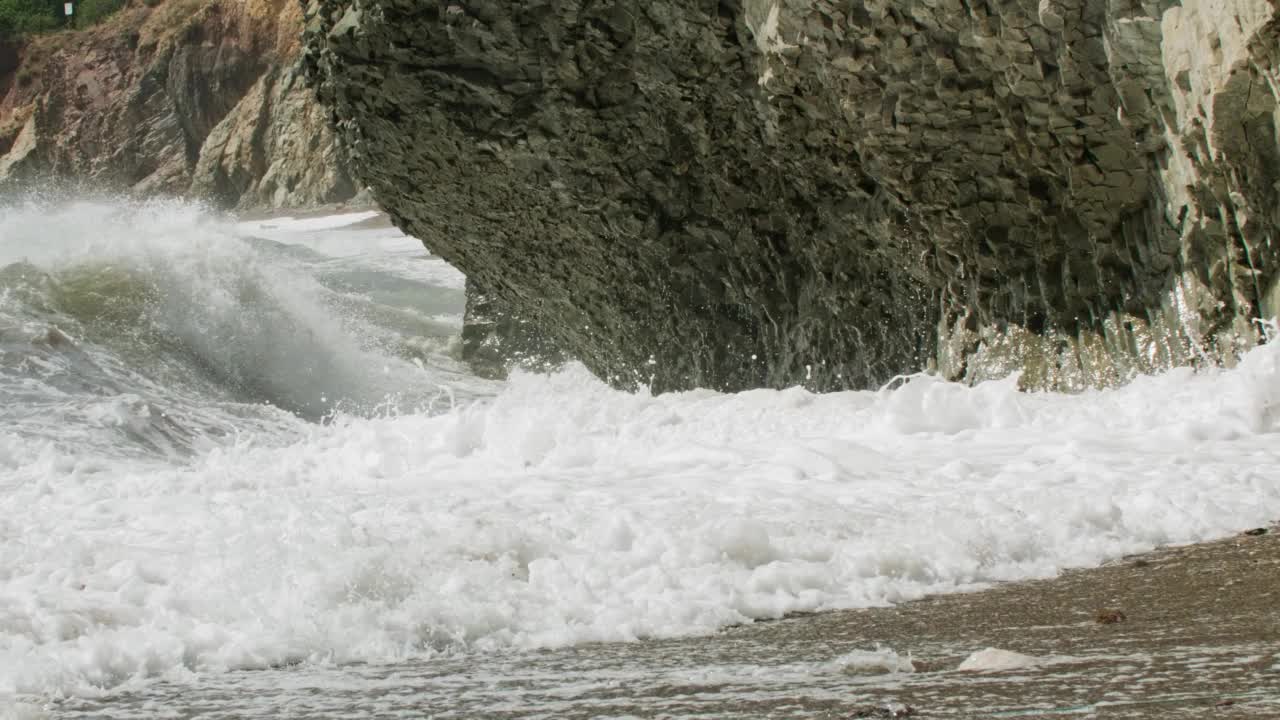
[{"x": 560, "y": 512}]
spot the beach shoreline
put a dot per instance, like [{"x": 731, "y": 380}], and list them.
[{"x": 1179, "y": 632}]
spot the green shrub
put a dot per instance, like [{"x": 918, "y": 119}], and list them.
[
  {"x": 91, "y": 12},
  {"x": 19, "y": 17},
  {"x": 22, "y": 17}
]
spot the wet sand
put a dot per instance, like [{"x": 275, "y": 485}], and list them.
[{"x": 1200, "y": 637}]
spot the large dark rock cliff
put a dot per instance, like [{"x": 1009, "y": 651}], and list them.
[{"x": 742, "y": 193}]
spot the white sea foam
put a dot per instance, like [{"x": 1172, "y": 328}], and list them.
[
  {"x": 997, "y": 660},
  {"x": 341, "y": 236},
  {"x": 289, "y": 225},
  {"x": 560, "y": 511},
  {"x": 873, "y": 662},
  {"x": 564, "y": 512}
]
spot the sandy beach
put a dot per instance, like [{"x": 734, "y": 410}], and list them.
[{"x": 1189, "y": 631}]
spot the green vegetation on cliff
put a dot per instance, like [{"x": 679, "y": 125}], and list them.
[
  {"x": 19, "y": 17},
  {"x": 90, "y": 12},
  {"x": 22, "y": 17}
]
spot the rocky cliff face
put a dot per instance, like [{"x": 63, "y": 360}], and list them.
[
  {"x": 742, "y": 193},
  {"x": 189, "y": 97}
]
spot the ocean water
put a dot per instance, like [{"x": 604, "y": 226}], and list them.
[{"x": 241, "y": 469}]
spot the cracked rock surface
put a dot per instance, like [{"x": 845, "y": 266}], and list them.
[
  {"x": 200, "y": 98},
  {"x": 747, "y": 193}
]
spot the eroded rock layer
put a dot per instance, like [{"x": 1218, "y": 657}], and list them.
[
  {"x": 744, "y": 193},
  {"x": 172, "y": 97}
]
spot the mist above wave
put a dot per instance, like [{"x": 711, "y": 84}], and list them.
[{"x": 164, "y": 309}]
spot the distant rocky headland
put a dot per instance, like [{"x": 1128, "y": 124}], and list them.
[
  {"x": 747, "y": 193},
  {"x": 195, "y": 98}
]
